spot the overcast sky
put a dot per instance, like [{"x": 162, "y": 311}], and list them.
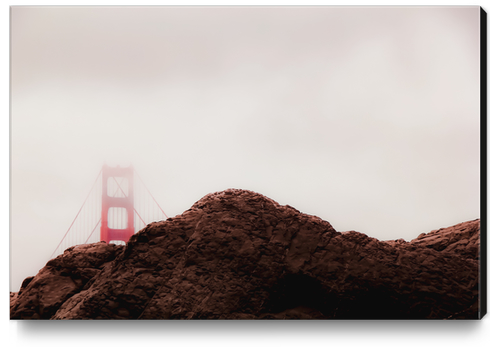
[{"x": 366, "y": 117}]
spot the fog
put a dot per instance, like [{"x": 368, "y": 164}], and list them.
[{"x": 366, "y": 117}]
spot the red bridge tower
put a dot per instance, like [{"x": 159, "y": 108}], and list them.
[{"x": 117, "y": 222}]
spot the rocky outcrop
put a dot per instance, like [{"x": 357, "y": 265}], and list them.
[
  {"x": 239, "y": 255},
  {"x": 462, "y": 239},
  {"x": 41, "y": 296}
]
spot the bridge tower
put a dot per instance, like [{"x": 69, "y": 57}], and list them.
[{"x": 117, "y": 221}]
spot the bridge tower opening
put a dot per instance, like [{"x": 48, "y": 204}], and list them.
[{"x": 117, "y": 220}]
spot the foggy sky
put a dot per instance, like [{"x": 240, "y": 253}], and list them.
[{"x": 366, "y": 117}]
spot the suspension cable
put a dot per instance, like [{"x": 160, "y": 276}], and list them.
[
  {"x": 150, "y": 194},
  {"x": 126, "y": 197},
  {"x": 77, "y": 214},
  {"x": 88, "y": 238}
]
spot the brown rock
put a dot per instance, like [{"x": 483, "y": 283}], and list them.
[
  {"x": 41, "y": 296},
  {"x": 239, "y": 255},
  {"x": 463, "y": 239}
]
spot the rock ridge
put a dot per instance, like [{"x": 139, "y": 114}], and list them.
[{"x": 237, "y": 254}]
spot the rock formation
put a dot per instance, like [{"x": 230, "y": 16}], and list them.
[{"x": 239, "y": 255}]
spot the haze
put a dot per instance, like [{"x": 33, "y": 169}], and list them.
[{"x": 366, "y": 117}]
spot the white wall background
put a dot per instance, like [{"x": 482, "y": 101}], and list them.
[{"x": 367, "y": 118}]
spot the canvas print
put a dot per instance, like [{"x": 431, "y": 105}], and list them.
[{"x": 247, "y": 163}]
